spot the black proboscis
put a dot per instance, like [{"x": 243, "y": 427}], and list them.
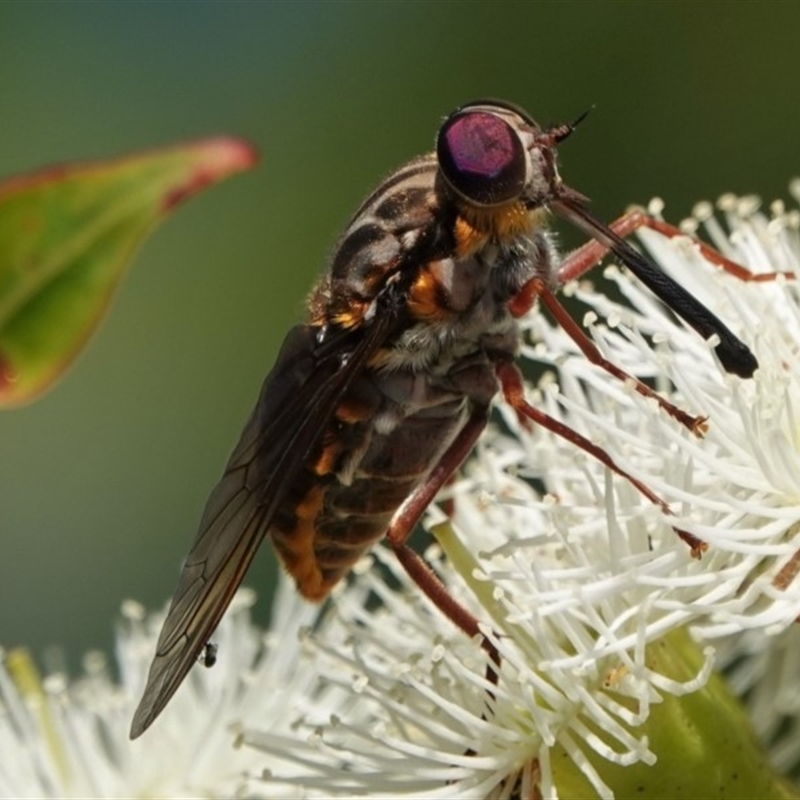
[{"x": 734, "y": 355}]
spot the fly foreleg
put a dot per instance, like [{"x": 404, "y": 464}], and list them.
[{"x": 582, "y": 259}]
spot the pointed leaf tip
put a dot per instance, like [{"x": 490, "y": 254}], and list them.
[
  {"x": 67, "y": 235},
  {"x": 216, "y": 159}
]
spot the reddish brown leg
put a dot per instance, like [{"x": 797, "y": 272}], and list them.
[
  {"x": 511, "y": 381},
  {"x": 588, "y": 255},
  {"x": 536, "y": 288},
  {"x": 408, "y": 515},
  {"x": 448, "y": 505},
  {"x": 788, "y": 574}
]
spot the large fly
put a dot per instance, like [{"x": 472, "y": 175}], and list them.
[{"x": 376, "y": 400}]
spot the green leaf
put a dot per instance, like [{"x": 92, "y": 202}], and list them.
[
  {"x": 67, "y": 235},
  {"x": 703, "y": 740}
]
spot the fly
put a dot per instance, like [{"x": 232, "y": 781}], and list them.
[
  {"x": 380, "y": 395},
  {"x": 208, "y": 655}
]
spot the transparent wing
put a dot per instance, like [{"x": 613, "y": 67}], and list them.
[{"x": 297, "y": 398}]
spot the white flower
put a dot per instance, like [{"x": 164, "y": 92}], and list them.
[
  {"x": 582, "y": 585},
  {"x": 71, "y": 740},
  {"x": 577, "y": 578}
]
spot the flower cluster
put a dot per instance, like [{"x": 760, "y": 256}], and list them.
[{"x": 610, "y": 632}]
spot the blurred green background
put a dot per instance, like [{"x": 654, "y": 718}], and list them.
[{"x": 102, "y": 482}]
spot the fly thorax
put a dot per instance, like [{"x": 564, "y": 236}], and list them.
[{"x": 516, "y": 263}]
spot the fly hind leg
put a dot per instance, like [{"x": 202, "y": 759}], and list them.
[{"x": 410, "y": 512}]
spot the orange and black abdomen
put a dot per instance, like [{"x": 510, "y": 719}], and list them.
[{"x": 370, "y": 458}]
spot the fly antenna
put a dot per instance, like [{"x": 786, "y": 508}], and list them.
[{"x": 561, "y": 132}]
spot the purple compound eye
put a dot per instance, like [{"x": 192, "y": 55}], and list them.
[{"x": 481, "y": 157}]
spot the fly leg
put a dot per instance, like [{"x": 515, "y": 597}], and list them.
[
  {"x": 406, "y": 518},
  {"x": 536, "y": 287},
  {"x": 511, "y": 381},
  {"x": 582, "y": 259}
]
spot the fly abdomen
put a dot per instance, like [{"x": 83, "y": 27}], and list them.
[
  {"x": 382, "y": 442},
  {"x": 369, "y": 496}
]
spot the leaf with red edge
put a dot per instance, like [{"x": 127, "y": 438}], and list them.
[{"x": 67, "y": 235}]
